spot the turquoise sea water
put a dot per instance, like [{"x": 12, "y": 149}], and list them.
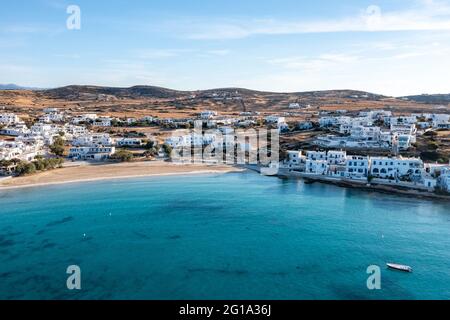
[{"x": 233, "y": 236}]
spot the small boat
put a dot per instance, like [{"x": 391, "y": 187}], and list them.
[{"x": 399, "y": 267}]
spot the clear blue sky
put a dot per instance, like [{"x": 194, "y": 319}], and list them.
[{"x": 394, "y": 47}]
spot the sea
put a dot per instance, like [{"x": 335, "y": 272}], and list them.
[{"x": 220, "y": 236}]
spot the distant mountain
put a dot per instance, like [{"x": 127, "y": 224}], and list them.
[
  {"x": 12, "y": 86},
  {"x": 430, "y": 98}
]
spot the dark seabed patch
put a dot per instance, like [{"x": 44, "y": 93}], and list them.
[
  {"x": 219, "y": 271},
  {"x": 58, "y": 222},
  {"x": 5, "y": 243},
  {"x": 141, "y": 235}
]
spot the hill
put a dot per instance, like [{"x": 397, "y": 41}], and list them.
[
  {"x": 430, "y": 98},
  {"x": 139, "y": 92}
]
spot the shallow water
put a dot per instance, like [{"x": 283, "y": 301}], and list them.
[{"x": 232, "y": 236}]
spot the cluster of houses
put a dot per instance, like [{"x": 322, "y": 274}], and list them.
[
  {"x": 399, "y": 171},
  {"x": 378, "y": 130},
  {"x": 211, "y": 119},
  {"x": 224, "y": 137},
  {"x": 26, "y": 142},
  {"x": 88, "y": 145}
]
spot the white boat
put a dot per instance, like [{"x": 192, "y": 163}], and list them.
[{"x": 399, "y": 267}]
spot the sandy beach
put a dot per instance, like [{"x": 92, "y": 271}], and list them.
[{"x": 94, "y": 172}]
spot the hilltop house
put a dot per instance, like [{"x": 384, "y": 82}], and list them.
[
  {"x": 85, "y": 118},
  {"x": 102, "y": 122},
  {"x": 206, "y": 115}
]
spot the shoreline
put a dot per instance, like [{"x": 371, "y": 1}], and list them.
[
  {"x": 65, "y": 175},
  {"x": 368, "y": 187}
]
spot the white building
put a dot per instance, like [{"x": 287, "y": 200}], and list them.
[
  {"x": 275, "y": 119},
  {"x": 9, "y": 118},
  {"x": 316, "y": 155},
  {"x": 440, "y": 121},
  {"x": 403, "y": 120},
  {"x": 319, "y": 167},
  {"x": 74, "y": 130},
  {"x": 282, "y": 127},
  {"x": 357, "y": 167},
  {"x": 19, "y": 150},
  {"x": 128, "y": 142},
  {"x": 191, "y": 140},
  {"x": 393, "y": 168},
  {"x": 336, "y": 157},
  {"x": 85, "y": 118},
  {"x": 15, "y": 130},
  {"x": 51, "y": 117},
  {"x": 328, "y": 121},
  {"x": 50, "y": 110},
  {"x": 102, "y": 122},
  {"x": 444, "y": 179},
  {"x": 47, "y": 131},
  {"x": 305, "y": 125},
  {"x": 294, "y": 160},
  {"x": 365, "y": 133},
  {"x": 98, "y": 153},
  {"x": 149, "y": 119},
  {"x": 93, "y": 139},
  {"x": 205, "y": 115}
]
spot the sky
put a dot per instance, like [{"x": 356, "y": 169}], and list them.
[{"x": 391, "y": 47}]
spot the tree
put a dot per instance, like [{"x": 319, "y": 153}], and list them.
[
  {"x": 431, "y": 134},
  {"x": 151, "y": 153},
  {"x": 24, "y": 168},
  {"x": 57, "y": 147},
  {"x": 283, "y": 154},
  {"x": 167, "y": 149},
  {"x": 123, "y": 156},
  {"x": 149, "y": 145}
]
